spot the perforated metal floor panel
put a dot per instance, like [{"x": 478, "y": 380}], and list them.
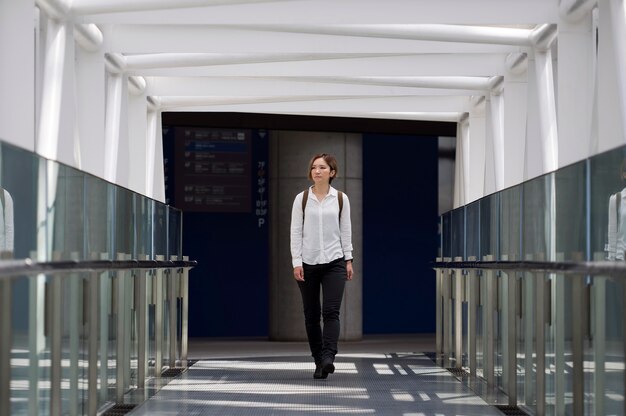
[{"x": 384, "y": 384}]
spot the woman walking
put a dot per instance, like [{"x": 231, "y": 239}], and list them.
[{"x": 321, "y": 251}]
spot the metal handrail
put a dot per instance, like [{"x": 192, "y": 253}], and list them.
[
  {"x": 611, "y": 268},
  {"x": 18, "y": 268}
]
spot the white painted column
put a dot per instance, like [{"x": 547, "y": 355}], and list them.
[
  {"x": 17, "y": 72},
  {"x": 48, "y": 137},
  {"x": 476, "y": 149},
  {"x": 617, "y": 12},
  {"x": 151, "y": 143},
  {"x": 515, "y": 93},
  {"x": 610, "y": 120},
  {"x": 137, "y": 137},
  {"x": 159, "y": 176},
  {"x": 114, "y": 90},
  {"x": 496, "y": 111},
  {"x": 489, "y": 173},
  {"x": 575, "y": 89},
  {"x": 90, "y": 110},
  {"x": 462, "y": 165},
  {"x": 546, "y": 108}
]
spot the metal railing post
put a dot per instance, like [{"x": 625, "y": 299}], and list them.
[
  {"x": 55, "y": 328},
  {"x": 458, "y": 316},
  {"x": 490, "y": 307},
  {"x": 158, "y": 319},
  {"x": 438, "y": 312},
  {"x": 5, "y": 347},
  {"x": 511, "y": 358},
  {"x": 472, "y": 305},
  {"x": 447, "y": 313},
  {"x": 93, "y": 300},
  {"x": 184, "y": 338},
  {"x": 142, "y": 315},
  {"x": 173, "y": 312}
]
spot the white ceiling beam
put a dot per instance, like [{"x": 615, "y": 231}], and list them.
[
  {"x": 144, "y": 38},
  {"x": 318, "y": 11},
  {"x": 273, "y": 86},
  {"x": 298, "y": 104},
  {"x": 407, "y": 65}
]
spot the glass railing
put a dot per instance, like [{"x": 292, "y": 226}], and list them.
[
  {"x": 93, "y": 290},
  {"x": 532, "y": 287}
]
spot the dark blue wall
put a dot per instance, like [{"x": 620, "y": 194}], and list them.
[
  {"x": 399, "y": 233},
  {"x": 228, "y": 290}
]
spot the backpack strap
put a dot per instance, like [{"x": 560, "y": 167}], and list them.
[
  {"x": 305, "y": 198},
  {"x": 340, "y": 200}
]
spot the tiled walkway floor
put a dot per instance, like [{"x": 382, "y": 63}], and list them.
[{"x": 280, "y": 382}]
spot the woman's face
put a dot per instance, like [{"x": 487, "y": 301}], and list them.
[{"x": 321, "y": 172}]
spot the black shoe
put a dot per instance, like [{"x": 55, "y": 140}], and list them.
[
  {"x": 319, "y": 373},
  {"x": 327, "y": 366}
]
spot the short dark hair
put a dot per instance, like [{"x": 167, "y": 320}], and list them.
[{"x": 329, "y": 159}]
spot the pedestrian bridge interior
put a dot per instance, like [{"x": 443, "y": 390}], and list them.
[{"x": 116, "y": 288}]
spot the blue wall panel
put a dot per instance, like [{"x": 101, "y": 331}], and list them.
[{"x": 399, "y": 233}]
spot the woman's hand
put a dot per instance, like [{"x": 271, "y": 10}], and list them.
[
  {"x": 349, "y": 270},
  {"x": 298, "y": 273}
]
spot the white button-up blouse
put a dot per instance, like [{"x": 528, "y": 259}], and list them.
[{"x": 323, "y": 237}]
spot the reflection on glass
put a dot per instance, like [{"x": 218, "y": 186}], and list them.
[
  {"x": 569, "y": 343},
  {"x": 6, "y": 224},
  {"x": 49, "y": 211}
]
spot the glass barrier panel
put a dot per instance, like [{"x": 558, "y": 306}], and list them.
[
  {"x": 175, "y": 223},
  {"x": 607, "y": 182},
  {"x": 604, "y": 356},
  {"x": 124, "y": 223},
  {"x": 67, "y": 226},
  {"x": 472, "y": 232},
  {"x": 446, "y": 232},
  {"x": 489, "y": 214},
  {"x": 510, "y": 224},
  {"x": 99, "y": 215},
  {"x": 457, "y": 233},
  {"x": 20, "y": 197},
  {"x": 159, "y": 230},
  {"x": 143, "y": 224},
  {"x": 509, "y": 230}
]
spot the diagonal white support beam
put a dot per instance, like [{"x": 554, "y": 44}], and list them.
[
  {"x": 88, "y": 36},
  {"x": 177, "y": 60},
  {"x": 81, "y": 7},
  {"x": 574, "y": 10},
  {"x": 449, "y": 116},
  {"x": 425, "y": 32}
]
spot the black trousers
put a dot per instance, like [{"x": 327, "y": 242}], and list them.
[{"x": 331, "y": 278}]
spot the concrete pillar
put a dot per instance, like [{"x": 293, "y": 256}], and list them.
[{"x": 290, "y": 153}]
